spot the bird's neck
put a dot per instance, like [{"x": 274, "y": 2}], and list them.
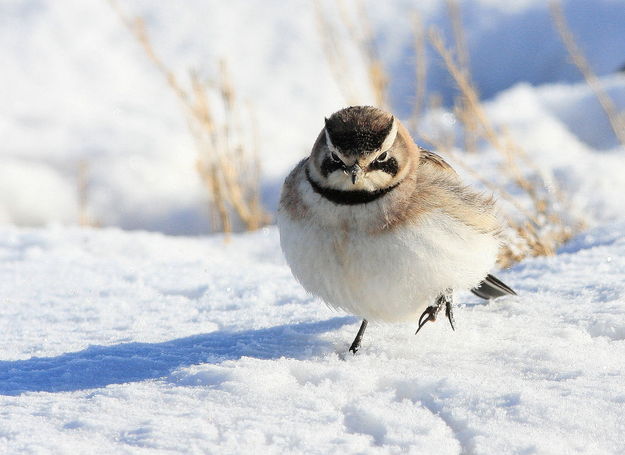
[{"x": 347, "y": 197}]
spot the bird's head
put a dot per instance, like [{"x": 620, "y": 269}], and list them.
[{"x": 361, "y": 148}]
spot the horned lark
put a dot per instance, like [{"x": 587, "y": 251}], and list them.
[{"x": 375, "y": 225}]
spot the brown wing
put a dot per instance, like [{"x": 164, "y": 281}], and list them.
[
  {"x": 440, "y": 183},
  {"x": 432, "y": 159},
  {"x": 290, "y": 199}
]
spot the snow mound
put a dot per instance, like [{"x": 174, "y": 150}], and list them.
[{"x": 122, "y": 342}]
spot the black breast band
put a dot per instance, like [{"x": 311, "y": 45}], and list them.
[{"x": 342, "y": 197}]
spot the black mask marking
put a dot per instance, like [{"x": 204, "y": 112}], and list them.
[
  {"x": 389, "y": 166},
  {"x": 328, "y": 166},
  {"x": 342, "y": 197}
]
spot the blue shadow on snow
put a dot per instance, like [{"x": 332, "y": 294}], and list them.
[{"x": 99, "y": 366}]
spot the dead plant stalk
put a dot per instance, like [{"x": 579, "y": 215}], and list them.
[
  {"x": 544, "y": 228},
  {"x": 227, "y": 166},
  {"x": 355, "y": 29},
  {"x": 617, "y": 122}
]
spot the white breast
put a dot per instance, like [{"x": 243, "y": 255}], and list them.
[{"x": 391, "y": 276}]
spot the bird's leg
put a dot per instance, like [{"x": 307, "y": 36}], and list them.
[
  {"x": 361, "y": 331},
  {"x": 449, "y": 310},
  {"x": 430, "y": 313}
]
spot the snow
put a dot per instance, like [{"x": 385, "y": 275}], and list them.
[
  {"x": 119, "y": 342},
  {"x": 99, "y": 101},
  {"x": 124, "y": 339}
]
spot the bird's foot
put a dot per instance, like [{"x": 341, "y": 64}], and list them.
[
  {"x": 432, "y": 311},
  {"x": 354, "y": 347}
]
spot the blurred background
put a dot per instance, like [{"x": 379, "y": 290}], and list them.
[{"x": 185, "y": 117}]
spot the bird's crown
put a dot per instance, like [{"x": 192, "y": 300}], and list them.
[{"x": 357, "y": 130}]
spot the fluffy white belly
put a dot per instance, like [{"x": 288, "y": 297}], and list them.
[{"x": 391, "y": 276}]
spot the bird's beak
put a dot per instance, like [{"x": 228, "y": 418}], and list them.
[{"x": 355, "y": 171}]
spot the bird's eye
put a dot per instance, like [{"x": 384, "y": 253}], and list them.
[
  {"x": 382, "y": 157},
  {"x": 335, "y": 157}
]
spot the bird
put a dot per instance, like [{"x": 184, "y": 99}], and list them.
[{"x": 383, "y": 229}]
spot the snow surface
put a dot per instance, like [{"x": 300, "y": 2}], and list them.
[
  {"x": 136, "y": 342},
  {"x": 119, "y": 342}
]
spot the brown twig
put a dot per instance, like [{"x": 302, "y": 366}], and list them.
[
  {"x": 334, "y": 38},
  {"x": 579, "y": 60},
  {"x": 544, "y": 227},
  {"x": 421, "y": 67},
  {"x": 233, "y": 189}
]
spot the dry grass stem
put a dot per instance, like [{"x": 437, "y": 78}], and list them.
[
  {"x": 462, "y": 51},
  {"x": 617, "y": 121},
  {"x": 227, "y": 163},
  {"x": 470, "y": 135},
  {"x": 544, "y": 225},
  {"x": 354, "y": 28},
  {"x": 334, "y": 54},
  {"x": 421, "y": 69},
  {"x": 82, "y": 189}
]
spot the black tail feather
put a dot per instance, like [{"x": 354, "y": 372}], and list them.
[{"x": 491, "y": 288}]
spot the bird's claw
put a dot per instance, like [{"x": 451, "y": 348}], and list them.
[
  {"x": 428, "y": 315},
  {"x": 432, "y": 311},
  {"x": 450, "y": 314}
]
